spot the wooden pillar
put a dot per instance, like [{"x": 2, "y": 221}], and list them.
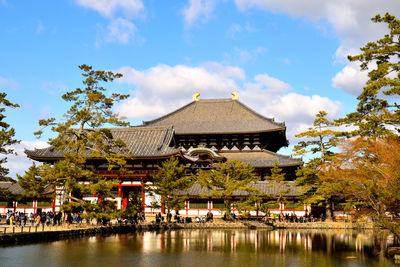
[
  {"x": 143, "y": 200},
  {"x": 125, "y": 196},
  {"x": 119, "y": 190},
  {"x": 53, "y": 205},
  {"x": 162, "y": 205}
]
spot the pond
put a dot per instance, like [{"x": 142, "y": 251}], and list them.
[{"x": 208, "y": 248}]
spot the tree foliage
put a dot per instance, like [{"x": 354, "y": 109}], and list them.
[
  {"x": 134, "y": 206},
  {"x": 366, "y": 173},
  {"x": 320, "y": 139},
  {"x": 170, "y": 179},
  {"x": 81, "y": 135},
  {"x": 225, "y": 179},
  {"x": 7, "y": 134},
  {"x": 277, "y": 178},
  {"x": 377, "y": 109},
  {"x": 32, "y": 180}
]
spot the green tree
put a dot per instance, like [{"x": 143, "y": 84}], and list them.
[
  {"x": 82, "y": 135},
  {"x": 277, "y": 178},
  {"x": 33, "y": 181},
  {"x": 168, "y": 182},
  {"x": 320, "y": 138},
  {"x": 7, "y": 134},
  {"x": 225, "y": 179},
  {"x": 320, "y": 141},
  {"x": 134, "y": 206},
  {"x": 377, "y": 111}
]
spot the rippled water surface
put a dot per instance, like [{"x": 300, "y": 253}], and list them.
[{"x": 207, "y": 248}]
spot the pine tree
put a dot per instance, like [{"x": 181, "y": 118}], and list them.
[
  {"x": 32, "y": 180},
  {"x": 277, "y": 178},
  {"x": 321, "y": 139},
  {"x": 377, "y": 110},
  {"x": 7, "y": 134},
  {"x": 81, "y": 135},
  {"x": 170, "y": 179},
  {"x": 226, "y": 178}
]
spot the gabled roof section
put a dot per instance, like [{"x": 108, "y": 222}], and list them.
[
  {"x": 216, "y": 116},
  {"x": 141, "y": 142},
  {"x": 262, "y": 158}
]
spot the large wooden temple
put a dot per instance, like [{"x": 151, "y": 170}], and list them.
[{"x": 201, "y": 133}]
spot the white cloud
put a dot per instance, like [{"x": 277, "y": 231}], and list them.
[
  {"x": 270, "y": 97},
  {"x": 107, "y": 8},
  {"x": 235, "y": 29},
  {"x": 164, "y": 88},
  {"x": 272, "y": 84},
  {"x": 54, "y": 88},
  {"x": 8, "y": 83},
  {"x": 119, "y": 31},
  {"x": 350, "y": 19},
  {"x": 241, "y": 56},
  {"x": 287, "y": 61},
  {"x": 39, "y": 28},
  {"x": 199, "y": 10},
  {"x": 350, "y": 79},
  {"x": 5, "y": 3},
  {"x": 20, "y": 163}
]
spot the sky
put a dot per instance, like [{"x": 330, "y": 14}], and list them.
[{"x": 287, "y": 59}]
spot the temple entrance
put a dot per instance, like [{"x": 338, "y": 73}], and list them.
[{"x": 132, "y": 198}]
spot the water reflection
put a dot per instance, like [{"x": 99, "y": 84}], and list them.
[
  {"x": 209, "y": 248},
  {"x": 256, "y": 241}
]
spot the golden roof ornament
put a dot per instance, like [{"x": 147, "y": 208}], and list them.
[
  {"x": 196, "y": 97},
  {"x": 235, "y": 96}
]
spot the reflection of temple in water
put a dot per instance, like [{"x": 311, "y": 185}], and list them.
[{"x": 262, "y": 241}]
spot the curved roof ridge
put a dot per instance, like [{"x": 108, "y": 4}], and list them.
[
  {"x": 280, "y": 155},
  {"x": 272, "y": 120},
  {"x": 145, "y": 123},
  {"x": 217, "y": 116}
]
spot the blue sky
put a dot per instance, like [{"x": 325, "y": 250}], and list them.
[{"x": 286, "y": 59}]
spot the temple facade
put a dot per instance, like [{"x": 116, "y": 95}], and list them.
[{"x": 199, "y": 134}]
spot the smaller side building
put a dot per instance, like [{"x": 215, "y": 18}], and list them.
[{"x": 13, "y": 200}]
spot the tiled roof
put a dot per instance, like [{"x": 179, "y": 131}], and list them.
[
  {"x": 17, "y": 190},
  {"x": 262, "y": 158},
  {"x": 265, "y": 187},
  {"x": 141, "y": 142},
  {"x": 216, "y": 116}
]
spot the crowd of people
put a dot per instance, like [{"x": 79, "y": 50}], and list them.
[
  {"x": 294, "y": 218},
  {"x": 41, "y": 218},
  {"x": 31, "y": 219},
  {"x": 57, "y": 218}
]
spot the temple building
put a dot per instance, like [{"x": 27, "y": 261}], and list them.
[{"x": 199, "y": 134}]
